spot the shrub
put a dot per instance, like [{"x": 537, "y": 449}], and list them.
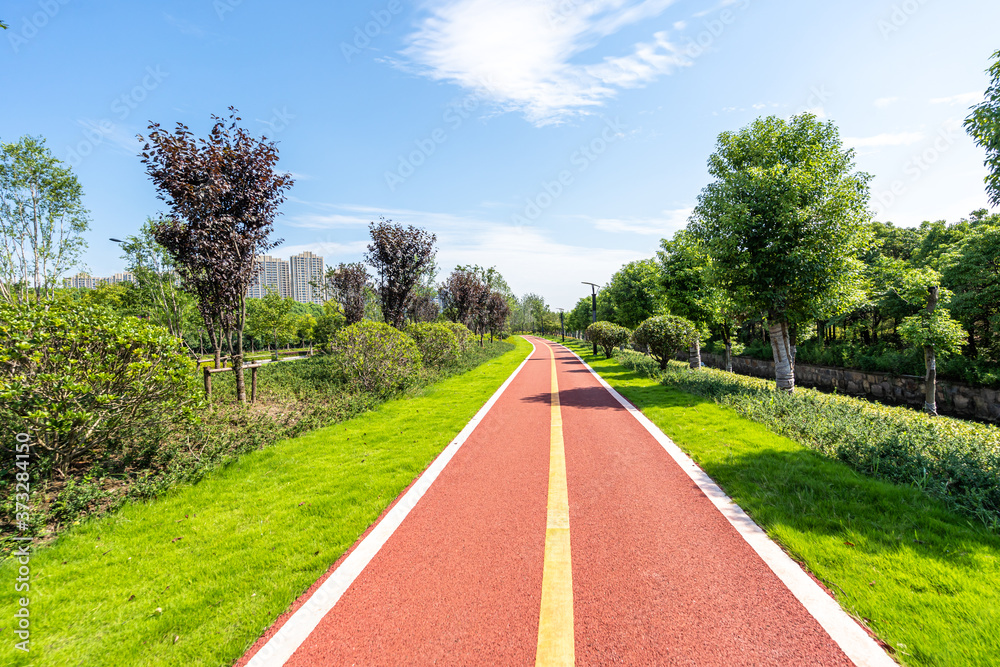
[
  {"x": 951, "y": 459},
  {"x": 80, "y": 377},
  {"x": 375, "y": 357},
  {"x": 664, "y": 335},
  {"x": 462, "y": 334},
  {"x": 437, "y": 343},
  {"x": 608, "y": 336}
]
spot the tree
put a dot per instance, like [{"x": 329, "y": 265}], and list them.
[
  {"x": 608, "y": 336},
  {"x": 972, "y": 271},
  {"x": 687, "y": 288},
  {"x": 632, "y": 294},
  {"x": 497, "y": 311},
  {"x": 271, "y": 316},
  {"x": 664, "y": 336},
  {"x": 156, "y": 281},
  {"x": 784, "y": 222},
  {"x": 223, "y": 194},
  {"x": 933, "y": 329},
  {"x": 983, "y": 125},
  {"x": 42, "y": 219},
  {"x": 329, "y": 323},
  {"x": 581, "y": 316},
  {"x": 462, "y": 295},
  {"x": 348, "y": 285},
  {"x": 400, "y": 256}
]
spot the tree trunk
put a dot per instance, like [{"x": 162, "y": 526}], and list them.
[
  {"x": 784, "y": 360},
  {"x": 694, "y": 355},
  {"x": 930, "y": 381},
  {"x": 729, "y": 355}
]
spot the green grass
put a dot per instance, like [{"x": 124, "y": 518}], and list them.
[
  {"x": 123, "y": 590},
  {"x": 922, "y": 576}
]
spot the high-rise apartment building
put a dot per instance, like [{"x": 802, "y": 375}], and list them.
[
  {"x": 272, "y": 275},
  {"x": 306, "y": 268},
  {"x": 86, "y": 281}
]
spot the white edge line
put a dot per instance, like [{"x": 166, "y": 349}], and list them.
[
  {"x": 280, "y": 647},
  {"x": 852, "y": 639}
]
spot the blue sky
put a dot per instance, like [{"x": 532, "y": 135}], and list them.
[{"x": 555, "y": 139}]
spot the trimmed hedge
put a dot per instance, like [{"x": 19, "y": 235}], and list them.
[
  {"x": 375, "y": 357},
  {"x": 437, "y": 343},
  {"x": 608, "y": 336},
  {"x": 951, "y": 459}
]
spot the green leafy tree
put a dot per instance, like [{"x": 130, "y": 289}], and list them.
[
  {"x": 271, "y": 316},
  {"x": 581, "y": 316},
  {"x": 632, "y": 293},
  {"x": 42, "y": 220},
  {"x": 329, "y": 323},
  {"x": 933, "y": 329},
  {"x": 689, "y": 292},
  {"x": 972, "y": 271},
  {"x": 983, "y": 125},
  {"x": 81, "y": 378},
  {"x": 608, "y": 336},
  {"x": 664, "y": 336},
  {"x": 784, "y": 221},
  {"x": 156, "y": 281}
]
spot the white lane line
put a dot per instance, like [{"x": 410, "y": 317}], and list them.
[
  {"x": 852, "y": 639},
  {"x": 280, "y": 647}
]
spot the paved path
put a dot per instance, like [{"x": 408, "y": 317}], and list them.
[{"x": 560, "y": 532}]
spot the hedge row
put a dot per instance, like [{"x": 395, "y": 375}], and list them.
[{"x": 954, "y": 460}]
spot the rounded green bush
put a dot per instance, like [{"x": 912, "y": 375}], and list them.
[
  {"x": 375, "y": 357},
  {"x": 78, "y": 377},
  {"x": 437, "y": 343},
  {"x": 462, "y": 333},
  {"x": 608, "y": 336},
  {"x": 664, "y": 335}
]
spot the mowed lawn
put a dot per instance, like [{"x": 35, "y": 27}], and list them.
[
  {"x": 926, "y": 580},
  {"x": 196, "y": 576}
]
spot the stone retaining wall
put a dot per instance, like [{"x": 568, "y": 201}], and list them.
[{"x": 953, "y": 398}]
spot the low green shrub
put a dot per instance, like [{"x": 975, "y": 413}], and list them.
[
  {"x": 80, "y": 378},
  {"x": 463, "y": 334},
  {"x": 951, "y": 459},
  {"x": 664, "y": 335},
  {"x": 608, "y": 336},
  {"x": 437, "y": 343},
  {"x": 375, "y": 357}
]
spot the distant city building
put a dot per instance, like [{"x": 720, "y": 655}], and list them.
[
  {"x": 306, "y": 268},
  {"x": 86, "y": 281},
  {"x": 272, "y": 275}
]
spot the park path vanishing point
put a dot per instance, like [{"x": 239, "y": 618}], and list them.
[{"x": 562, "y": 528}]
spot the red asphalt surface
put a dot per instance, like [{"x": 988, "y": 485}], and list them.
[{"x": 660, "y": 577}]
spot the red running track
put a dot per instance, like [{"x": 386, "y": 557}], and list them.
[{"x": 660, "y": 577}]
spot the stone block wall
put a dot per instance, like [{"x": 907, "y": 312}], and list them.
[{"x": 953, "y": 398}]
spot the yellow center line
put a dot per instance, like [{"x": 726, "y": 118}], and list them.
[{"x": 555, "y": 622}]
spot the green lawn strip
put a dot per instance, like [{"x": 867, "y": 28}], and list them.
[
  {"x": 253, "y": 536},
  {"x": 923, "y": 577}
]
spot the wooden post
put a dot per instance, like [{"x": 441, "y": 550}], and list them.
[
  {"x": 208, "y": 382},
  {"x": 253, "y": 382}
]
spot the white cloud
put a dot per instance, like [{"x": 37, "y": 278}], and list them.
[
  {"x": 885, "y": 139},
  {"x": 663, "y": 227},
  {"x": 883, "y": 102},
  {"x": 965, "y": 99},
  {"x": 524, "y": 54}
]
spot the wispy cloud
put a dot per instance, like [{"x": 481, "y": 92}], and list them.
[
  {"x": 965, "y": 99},
  {"x": 883, "y": 102},
  {"x": 663, "y": 226},
  {"x": 525, "y": 55},
  {"x": 885, "y": 139}
]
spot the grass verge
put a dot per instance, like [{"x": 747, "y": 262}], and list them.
[
  {"x": 194, "y": 577},
  {"x": 920, "y": 575}
]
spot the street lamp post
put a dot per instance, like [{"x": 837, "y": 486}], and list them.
[
  {"x": 562, "y": 325},
  {"x": 593, "y": 303}
]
